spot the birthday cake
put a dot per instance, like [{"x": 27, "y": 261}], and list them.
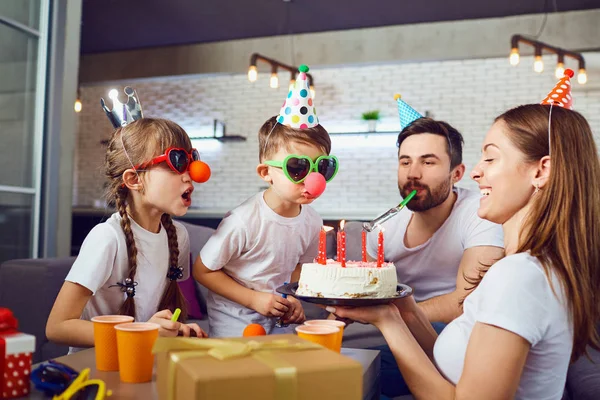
[{"x": 358, "y": 279}]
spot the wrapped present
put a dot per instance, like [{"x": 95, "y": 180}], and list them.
[
  {"x": 274, "y": 367},
  {"x": 16, "y": 349}
]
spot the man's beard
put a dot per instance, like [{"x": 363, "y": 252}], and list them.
[{"x": 432, "y": 198}]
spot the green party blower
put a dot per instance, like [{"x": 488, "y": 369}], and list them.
[
  {"x": 369, "y": 226},
  {"x": 175, "y": 316}
]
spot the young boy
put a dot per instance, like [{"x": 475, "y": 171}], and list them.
[{"x": 263, "y": 242}]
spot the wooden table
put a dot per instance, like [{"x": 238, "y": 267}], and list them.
[{"x": 370, "y": 360}]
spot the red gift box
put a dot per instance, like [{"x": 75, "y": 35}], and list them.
[{"x": 15, "y": 357}]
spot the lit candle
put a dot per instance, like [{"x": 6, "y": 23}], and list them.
[
  {"x": 339, "y": 246},
  {"x": 364, "y": 246},
  {"x": 343, "y": 243},
  {"x": 380, "y": 249},
  {"x": 322, "y": 257}
]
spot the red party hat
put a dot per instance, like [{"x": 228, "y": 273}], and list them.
[{"x": 561, "y": 94}]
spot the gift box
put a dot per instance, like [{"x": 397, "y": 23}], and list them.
[
  {"x": 16, "y": 349},
  {"x": 274, "y": 367}
]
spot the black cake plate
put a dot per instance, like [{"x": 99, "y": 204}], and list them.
[{"x": 290, "y": 290}]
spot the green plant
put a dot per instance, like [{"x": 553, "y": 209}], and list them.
[{"x": 371, "y": 115}]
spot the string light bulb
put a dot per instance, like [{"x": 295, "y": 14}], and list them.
[
  {"x": 312, "y": 91},
  {"x": 514, "y": 56},
  {"x": 252, "y": 73}
]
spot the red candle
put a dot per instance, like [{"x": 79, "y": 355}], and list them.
[
  {"x": 380, "y": 249},
  {"x": 339, "y": 246},
  {"x": 322, "y": 245},
  {"x": 343, "y": 249},
  {"x": 343, "y": 244},
  {"x": 322, "y": 257},
  {"x": 364, "y": 246}
]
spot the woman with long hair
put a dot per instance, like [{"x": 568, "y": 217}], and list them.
[{"x": 534, "y": 311}]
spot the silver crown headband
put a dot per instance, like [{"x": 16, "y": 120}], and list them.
[{"x": 123, "y": 113}]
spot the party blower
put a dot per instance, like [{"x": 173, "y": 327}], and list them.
[{"x": 369, "y": 226}]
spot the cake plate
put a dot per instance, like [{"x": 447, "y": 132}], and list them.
[{"x": 290, "y": 290}]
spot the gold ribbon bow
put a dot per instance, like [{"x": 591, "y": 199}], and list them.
[{"x": 285, "y": 373}]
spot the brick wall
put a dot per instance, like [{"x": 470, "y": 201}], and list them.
[{"x": 468, "y": 94}]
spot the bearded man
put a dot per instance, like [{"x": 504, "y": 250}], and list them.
[{"x": 437, "y": 242}]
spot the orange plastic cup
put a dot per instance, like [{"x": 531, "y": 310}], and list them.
[
  {"x": 326, "y": 336},
  {"x": 330, "y": 322},
  {"x": 105, "y": 340},
  {"x": 135, "y": 341}
]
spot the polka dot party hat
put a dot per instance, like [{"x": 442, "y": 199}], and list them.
[
  {"x": 406, "y": 113},
  {"x": 298, "y": 110},
  {"x": 561, "y": 94}
]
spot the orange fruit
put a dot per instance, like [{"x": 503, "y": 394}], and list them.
[
  {"x": 199, "y": 171},
  {"x": 254, "y": 330}
]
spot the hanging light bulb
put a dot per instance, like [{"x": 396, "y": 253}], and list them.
[
  {"x": 312, "y": 91},
  {"x": 538, "y": 65},
  {"x": 514, "y": 56},
  {"x": 560, "y": 66},
  {"x": 252, "y": 73},
  {"x": 78, "y": 106},
  {"x": 560, "y": 70},
  {"x": 274, "y": 82},
  {"x": 582, "y": 76}
]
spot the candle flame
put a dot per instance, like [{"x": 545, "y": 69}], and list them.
[
  {"x": 327, "y": 228},
  {"x": 342, "y": 224},
  {"x": 381, "y": 228}
]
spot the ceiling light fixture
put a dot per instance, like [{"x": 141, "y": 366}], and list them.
[
  {"x": 275, "y": 65},
  {"x": 538, "y": 65}
]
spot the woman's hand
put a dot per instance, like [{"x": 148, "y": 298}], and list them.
[{"x": 376, "y": 315}]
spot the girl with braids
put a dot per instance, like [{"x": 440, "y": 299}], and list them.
[
  {"x": 534, "y": 311},
  {"x": 130, "y": 264}
]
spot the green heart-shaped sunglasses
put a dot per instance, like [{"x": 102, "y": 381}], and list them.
[{"x": 296, "y": 168}]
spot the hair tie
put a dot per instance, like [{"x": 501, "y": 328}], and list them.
[
  {"x": 175, "y": 273},
  {"x": 127, "y": 286}
]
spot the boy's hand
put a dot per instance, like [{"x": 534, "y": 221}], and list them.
[
  {"x": 270, "y": 305},
  {"x": 296, "y": 313}
]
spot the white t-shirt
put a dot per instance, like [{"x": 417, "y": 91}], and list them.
[
  {"x": 259, "y": 249},
  {"x": 103, "y": 261},
  {"x": 431, "y": 268},
  {"x": 515, "y": 295}
]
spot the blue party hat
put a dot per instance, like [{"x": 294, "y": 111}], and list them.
[{"x": 406, "y": 113}]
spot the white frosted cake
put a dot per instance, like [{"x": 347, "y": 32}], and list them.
[{"x": 357, "y": 279}]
